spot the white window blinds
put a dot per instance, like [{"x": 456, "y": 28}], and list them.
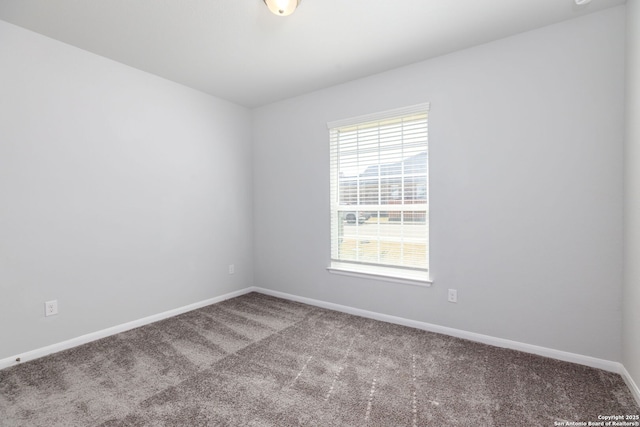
[{"x": 380, "y": 190}]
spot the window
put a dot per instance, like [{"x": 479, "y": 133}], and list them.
[{"x": 380, "y": 194}]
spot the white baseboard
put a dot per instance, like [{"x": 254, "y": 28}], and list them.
[
  {"x": 74, "y": 342},
  {"x": 593, "y": 362},
  {"x": 606, "y": 365},
  {"x": 630, "y": 383}
]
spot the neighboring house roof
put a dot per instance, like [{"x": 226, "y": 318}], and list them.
[{"x": 414, "y": 164}]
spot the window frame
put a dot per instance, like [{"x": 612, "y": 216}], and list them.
[{"x": 398, "y": 274}]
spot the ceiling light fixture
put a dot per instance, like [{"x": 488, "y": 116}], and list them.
[{"x": 282, "y": 7}]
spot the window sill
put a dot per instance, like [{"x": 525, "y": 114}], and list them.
[{"x": 388, "y": 274}]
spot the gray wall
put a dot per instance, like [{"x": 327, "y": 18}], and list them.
[
  {"x": 122, "y": 195},
  {"x": 526, "y": 143},
  {"x": 631, "y": 291}
]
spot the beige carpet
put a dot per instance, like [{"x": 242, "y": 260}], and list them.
[{"x": 261, "y": 361}]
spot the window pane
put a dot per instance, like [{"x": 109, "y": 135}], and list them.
[{"x": 379, "y": 192}]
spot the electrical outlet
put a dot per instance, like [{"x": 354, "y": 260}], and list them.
[
  {"x": 232, "y": 269},
  {"x": 51, "y": 308},
  {"x": 453, "y": 295}
]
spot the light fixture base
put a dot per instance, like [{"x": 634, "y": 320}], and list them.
[{"x": 282, "y": 7}]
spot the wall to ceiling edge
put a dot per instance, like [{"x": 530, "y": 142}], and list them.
[{"x": 526, "y": 198}]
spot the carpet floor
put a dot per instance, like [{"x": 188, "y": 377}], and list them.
[{"x": 257, "y": 360}]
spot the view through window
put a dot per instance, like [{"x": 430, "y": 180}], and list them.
[{"x": 379, "y": 191}]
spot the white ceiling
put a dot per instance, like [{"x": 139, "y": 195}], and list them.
[{"x": 239, "y": 51}]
